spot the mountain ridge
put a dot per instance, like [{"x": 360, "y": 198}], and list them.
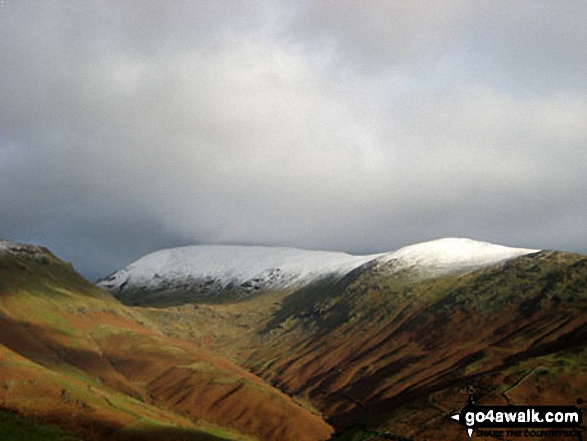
[{"x": 241, "y": 271}]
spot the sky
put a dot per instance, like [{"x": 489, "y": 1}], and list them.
[{"x": 131, "y": 126}]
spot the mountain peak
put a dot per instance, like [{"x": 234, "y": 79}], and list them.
[{"x": 453, "y": 254}]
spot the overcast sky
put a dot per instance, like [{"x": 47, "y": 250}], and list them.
[{"x": 358, "y": 126}]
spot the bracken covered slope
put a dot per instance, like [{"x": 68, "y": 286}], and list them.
[{"x": 70, "y": 354}]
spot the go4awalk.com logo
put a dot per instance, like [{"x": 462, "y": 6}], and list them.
[{"x": 521, "y": 421}]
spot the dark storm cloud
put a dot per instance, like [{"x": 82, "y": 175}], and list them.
[{"x": 131, "y": 126}]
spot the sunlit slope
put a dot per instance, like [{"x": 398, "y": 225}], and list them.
[
  {"x": 72, "y": 355},
  {"x": 396, "y": 349}
]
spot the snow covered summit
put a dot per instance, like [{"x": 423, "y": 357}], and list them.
[
  {"x": 209, "y": 270},
  {"x": 219, "y": 266}
]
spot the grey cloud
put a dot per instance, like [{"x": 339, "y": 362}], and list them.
[
  {"x": 530, "y": 47},
  {"x": 381, "y": 33},
  {"x": 127, "y": 126},
  {"x": 524, "y": 46}
]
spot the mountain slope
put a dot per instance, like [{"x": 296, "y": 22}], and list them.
[
  {"x": 386, "y": 349},
  {"x": 71, "y": 354}
]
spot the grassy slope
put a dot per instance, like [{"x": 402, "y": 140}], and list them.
[
  {"x": 394, "y": 353},
  {"x": 72, "y": 355}
]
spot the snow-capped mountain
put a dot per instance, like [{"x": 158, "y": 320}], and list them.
[
  {"x": 254, "y": 269},
  {"x": 447, "y": 255}
]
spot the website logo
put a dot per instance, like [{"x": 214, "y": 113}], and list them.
[{"x": 520, "y": 420}]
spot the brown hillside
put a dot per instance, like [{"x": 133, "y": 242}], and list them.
[
  {"x": 398, "y": 354},
  {"x": 71, "y": 354}
]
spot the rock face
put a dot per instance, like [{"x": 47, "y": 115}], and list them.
[
  {"x": 221, "y": 273},
  {"x": 41, "y": 254}
]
